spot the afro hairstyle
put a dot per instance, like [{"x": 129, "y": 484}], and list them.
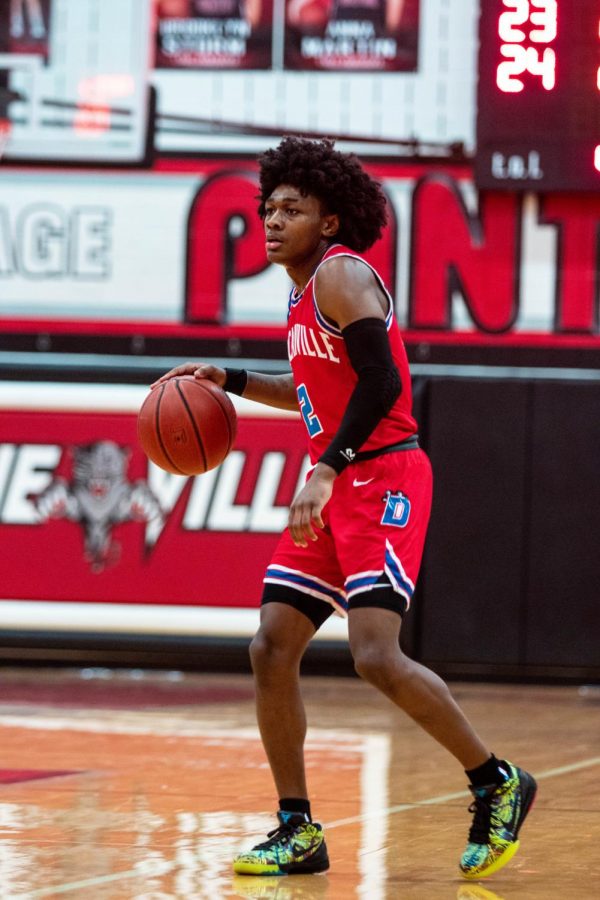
[{"x": 336, "y": 179}]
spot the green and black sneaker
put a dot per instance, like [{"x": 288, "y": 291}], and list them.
[
  {"x": 296, "y": 847},
  {"x": 498, "y": 814}
]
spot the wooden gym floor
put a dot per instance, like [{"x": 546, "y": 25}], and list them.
[{"x": 130, "y": 785}]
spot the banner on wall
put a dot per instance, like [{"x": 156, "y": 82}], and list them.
[
  {"x": 352, "y": 35},
  {"x": 460, "y": 266},
  {"x": 25, "y": 27},
  {"x": 214, "y": 34},
  {"x": 85, "y": 517}
]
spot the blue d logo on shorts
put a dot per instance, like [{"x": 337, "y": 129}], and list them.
[{"x": 397, "y": 509}]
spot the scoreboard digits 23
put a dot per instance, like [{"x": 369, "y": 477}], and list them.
[{"x": 538, "y": 95}]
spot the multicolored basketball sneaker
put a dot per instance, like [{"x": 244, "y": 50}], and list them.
[
  {"x": 294, "y": 847},
  {"x": 499, "y": 812}
]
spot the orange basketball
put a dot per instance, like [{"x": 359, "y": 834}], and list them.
[{"x": 187, "y": 426}]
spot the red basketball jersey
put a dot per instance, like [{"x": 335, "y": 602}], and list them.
[{"x": 324, "y": 376}]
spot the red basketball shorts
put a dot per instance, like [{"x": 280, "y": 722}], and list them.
[{"x": 375, "y": 527}]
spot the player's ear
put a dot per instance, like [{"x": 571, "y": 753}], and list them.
[{"x": 331, "y": 225}]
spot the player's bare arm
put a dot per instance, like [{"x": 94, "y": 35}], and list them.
[
  {"x": 346, "y": 291},
  {"x": 272, "y": 390}
]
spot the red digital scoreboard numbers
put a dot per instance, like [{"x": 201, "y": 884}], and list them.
[{"x": 538, "y": 95}]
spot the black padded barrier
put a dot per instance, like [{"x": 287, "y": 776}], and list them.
[
  {"x": 471, "y": 583},
  {"x": 510, "y": 584},
  {"x": 563, "y": 560}
]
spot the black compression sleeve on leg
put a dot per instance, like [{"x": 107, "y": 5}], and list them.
[{"x": 378, "y": 387}]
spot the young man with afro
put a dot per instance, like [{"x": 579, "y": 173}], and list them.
[{"x": 357, "y": 528}]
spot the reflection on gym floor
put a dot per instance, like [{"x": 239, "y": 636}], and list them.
[{"x": 131, "y": 785}]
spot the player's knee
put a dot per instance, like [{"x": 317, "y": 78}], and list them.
[
  {"x": 382, "y": 664},
  {"x": 261, "y": 651},
  {"x": 376, "y": 665},
  {"x": 270, "y": 655}
]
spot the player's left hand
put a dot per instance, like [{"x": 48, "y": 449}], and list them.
[{"x": 305, "y": 511}]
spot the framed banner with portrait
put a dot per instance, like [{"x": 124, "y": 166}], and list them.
[
  {"x": 214, "y": 34},
  {"x": 352, "y": 35}
]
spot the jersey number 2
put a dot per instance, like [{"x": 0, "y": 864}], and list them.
[{"x": 311, "y": 420}]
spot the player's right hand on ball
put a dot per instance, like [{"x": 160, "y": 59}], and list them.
[{"x": 198, "y": 370}]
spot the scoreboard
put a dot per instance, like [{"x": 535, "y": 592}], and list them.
[{"x": 538, "y": 95}]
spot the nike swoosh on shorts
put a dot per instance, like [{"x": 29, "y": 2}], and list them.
[{"x": 357, "y": 483}]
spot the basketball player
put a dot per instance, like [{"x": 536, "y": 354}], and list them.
[
  {"x": 4, "y": 76},
  {"x": 385, "y": 15},
  {"x": 35, "y": 15},
  {"x": 357, "y": 527},
  {"x": 211, "y": 9},
  {"x": 228, "y": 9}
]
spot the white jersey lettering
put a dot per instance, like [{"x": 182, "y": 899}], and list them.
[{"x": 301, "y": 339}]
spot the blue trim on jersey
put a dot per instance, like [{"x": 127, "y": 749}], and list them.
[
  {"x": 305, "y": 581},
  {"x": 404, "y": 585},
  {"x": 293, "y": 302},
  {"x": 323, "y": 323},
  {"x": 390, "y": 316},
  {"x": 363, "y": 581}
]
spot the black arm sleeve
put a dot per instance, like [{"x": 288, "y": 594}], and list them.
[{"x": 379, "y": 385}]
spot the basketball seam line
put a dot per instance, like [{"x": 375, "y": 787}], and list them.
[
  {"x": 193, "y": 421},
  {"x": 158, "y": 433},
  {"x": 225, "y": 412}
]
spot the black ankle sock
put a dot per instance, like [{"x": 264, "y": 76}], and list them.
[
  {"x": 490, "y": 772},
  {"x": 297, "y": 805}
]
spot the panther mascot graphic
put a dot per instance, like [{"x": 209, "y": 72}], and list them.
[{"x": 98, "y": 497}]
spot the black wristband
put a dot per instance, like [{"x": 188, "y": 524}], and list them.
[{"x": 235, "y": 381}]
